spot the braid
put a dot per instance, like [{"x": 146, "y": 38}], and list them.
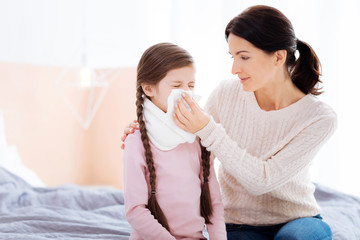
[
  {"x": 205, "y": 204},
  {"x": 153, "y": 205}
]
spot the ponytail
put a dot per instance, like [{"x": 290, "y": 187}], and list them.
[
  {"x": 205, "y": 199},
  {"x": 305, "y": 73},
  {"x": 152, "y": 205}
]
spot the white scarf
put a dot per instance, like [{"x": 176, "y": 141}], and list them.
[{"x": 160, "y": 126}]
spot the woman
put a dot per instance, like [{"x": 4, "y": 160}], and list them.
[{"x": 265, "y": 128}]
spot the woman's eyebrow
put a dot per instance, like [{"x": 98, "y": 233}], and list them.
[{"x": 238, "y": 52}]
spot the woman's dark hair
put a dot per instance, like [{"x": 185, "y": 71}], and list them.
[
  {"x": 270, "y": 30},
  {"x": 153, "y": 66}
]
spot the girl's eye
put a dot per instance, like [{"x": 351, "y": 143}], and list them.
[
  {"x": 177, "y": 86},
  {"x": 191, "y": 86}
]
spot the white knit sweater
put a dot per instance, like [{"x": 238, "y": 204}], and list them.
[{"x": 265, "y": 155}]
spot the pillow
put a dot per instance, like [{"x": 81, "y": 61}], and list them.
[
  {"x": 11, "y": 161},
  {"x": 3, "y": 144}
]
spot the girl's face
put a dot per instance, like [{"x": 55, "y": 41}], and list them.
[
  {"x": 180, "y": 78},
  {"x": 254, "y": 67}
]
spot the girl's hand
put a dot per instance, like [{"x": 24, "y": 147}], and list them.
[
  {"x": 191, "y": 121},
  {"x": 128, "y": 130}
]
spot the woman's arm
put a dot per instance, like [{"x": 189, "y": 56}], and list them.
[
  {"x": 129, "y": 130},
  {"x": 262, "y": 174},
  {"x": 136, "y": 192}
]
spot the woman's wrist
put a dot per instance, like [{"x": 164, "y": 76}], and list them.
[{"x": 207, "y": 129}]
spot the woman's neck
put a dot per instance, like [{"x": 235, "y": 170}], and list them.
[{"x": 278, "y": 95}]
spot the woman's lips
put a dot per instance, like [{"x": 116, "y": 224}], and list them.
[{"x": 244, "y": 79}]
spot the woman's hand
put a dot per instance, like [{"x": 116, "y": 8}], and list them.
[
  {"x": 191, "y": 121},
  {"x": 128, "y": 130}
]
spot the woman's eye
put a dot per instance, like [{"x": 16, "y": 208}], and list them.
[{"x": 244, "y": 58}]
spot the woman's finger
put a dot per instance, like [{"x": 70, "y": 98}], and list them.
[
  {"x": 134, "y": 125},
  {"x": 177, "y": 122},
  {"x": 183, "y": 108},
  {"x": 191, "y": 103},
  {"x": 179, "y": 114},
  {"x": 124, "y": 136}
]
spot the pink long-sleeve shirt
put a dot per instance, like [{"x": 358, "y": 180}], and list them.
[{"x": 178, "y": 189}]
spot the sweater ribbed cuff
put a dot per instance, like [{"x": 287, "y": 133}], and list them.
[{"x": 207, "y": 130}]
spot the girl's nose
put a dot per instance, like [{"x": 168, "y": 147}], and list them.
[{"x": 186, "y": 88}]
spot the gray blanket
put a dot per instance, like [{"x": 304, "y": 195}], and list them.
[
  {"x": 72, "y": 212},
  {"x": 341, "y": 211},
  {"x": 69, "y": 212}
]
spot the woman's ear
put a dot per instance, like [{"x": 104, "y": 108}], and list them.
[
  {"x": 148, "y": 89},
  {"x": 280, "y": 57}
]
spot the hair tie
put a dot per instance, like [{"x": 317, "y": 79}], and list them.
[{"x": 153, "y": 192}]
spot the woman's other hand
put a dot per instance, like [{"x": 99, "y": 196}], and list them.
[
  {"x": 191, "y": 121},
  {"x": 128, "y": 130}
]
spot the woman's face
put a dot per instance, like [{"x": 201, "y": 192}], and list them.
[
  {"x": 254, "y": 67},
  {"x": 180, "y": 78}
]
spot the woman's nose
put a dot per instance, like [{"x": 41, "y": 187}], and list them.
[{"x": 235, "y": 69}]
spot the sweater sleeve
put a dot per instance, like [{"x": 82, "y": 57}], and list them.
[
  {"x": 217, "y": 228},
  {"x": 136, "y": 192},
  {"x": 260, "y": 175}
]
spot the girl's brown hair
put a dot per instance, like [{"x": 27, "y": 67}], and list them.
[
  {"x": 270, "y": 30},
  {"x": 153, "y": 66}
]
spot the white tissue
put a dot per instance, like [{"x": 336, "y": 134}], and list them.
[{"x": 174, "y": 98}]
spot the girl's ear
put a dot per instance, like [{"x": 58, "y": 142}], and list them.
[
  {"x": 280, "y": 57},
  {"x": 148, "y": 89}
]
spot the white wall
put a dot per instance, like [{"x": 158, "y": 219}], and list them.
[{"x": 117, "y": 32}]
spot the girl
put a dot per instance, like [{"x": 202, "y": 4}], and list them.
[{"x": 171, "y": 190}]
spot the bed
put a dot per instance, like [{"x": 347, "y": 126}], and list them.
[
  {"x": 66, "y": 212},
  {"x": 74, "y": 212},
  {"x": 341, "y": 211}
]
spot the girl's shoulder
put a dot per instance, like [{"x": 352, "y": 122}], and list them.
[{"x": 133, "y": 141}]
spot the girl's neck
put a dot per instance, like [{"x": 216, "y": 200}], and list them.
[{"x": 278, "y": 95}]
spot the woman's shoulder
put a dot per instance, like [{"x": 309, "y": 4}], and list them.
[
  {"x": 228, "y": 88},
  {"x": 321, "y": 108},
  {"x": 229, "y": 84},
  {"x": 317, "y": 111}
]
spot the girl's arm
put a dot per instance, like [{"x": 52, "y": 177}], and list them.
[
  {"x": 217, "y": 228},
  {"x": 136, "y": 192}
]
